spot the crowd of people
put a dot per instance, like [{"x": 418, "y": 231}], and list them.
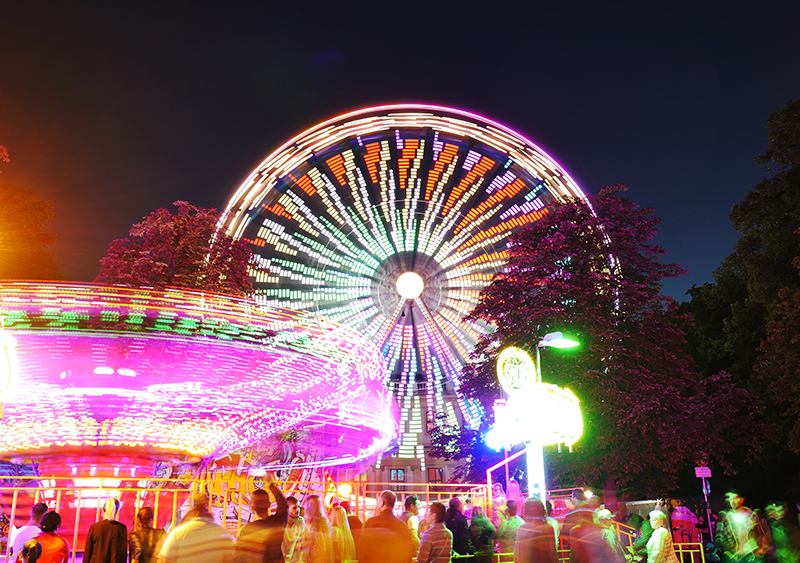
[{"x": 311, "y": 534}]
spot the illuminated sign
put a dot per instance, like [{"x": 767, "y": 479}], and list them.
[
  {"x": 515, "y": 370},
  {"x": 536, "y": 412}
]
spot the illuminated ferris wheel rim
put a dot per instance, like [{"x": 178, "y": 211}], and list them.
[
  {"x": 337, "y": 215},
  {"x": 356, "y": 123}
]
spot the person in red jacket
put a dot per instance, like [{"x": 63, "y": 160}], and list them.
[{"x": 55, "y": 549}]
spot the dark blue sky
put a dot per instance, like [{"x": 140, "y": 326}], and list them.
[{"x": 111, "y": 111}]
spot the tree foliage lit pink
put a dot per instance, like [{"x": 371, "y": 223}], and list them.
[
  {"x": 647, "y": 411},
  {"x": 179, "y": 249}
]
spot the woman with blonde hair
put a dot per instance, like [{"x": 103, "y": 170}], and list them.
[
  {"x": 659, "y": 546},
  {"x": 344, "y": 548},
  {"x": 316, "y": 546}
]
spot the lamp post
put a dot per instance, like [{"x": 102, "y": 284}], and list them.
[{"x": 536, "y": 413}]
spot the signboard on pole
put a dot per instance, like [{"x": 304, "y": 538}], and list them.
[{"x": 701, "y": 472}]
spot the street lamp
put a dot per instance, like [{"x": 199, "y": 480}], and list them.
[{"x": 535, "y": 413}]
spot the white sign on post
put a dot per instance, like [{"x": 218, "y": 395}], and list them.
[{"x": 701, "y": 472}]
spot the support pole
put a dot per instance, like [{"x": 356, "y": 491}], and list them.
[
  {"x": 706, "y": 490},
  {"x": 536, "y": 477}
]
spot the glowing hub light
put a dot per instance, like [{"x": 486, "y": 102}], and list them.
[
  {"x": 183, "y": 375},
  {"x": 341, "y": 211},
  {"x": 410, "y": 285}
]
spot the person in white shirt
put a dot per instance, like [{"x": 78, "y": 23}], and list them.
[
  {"x": 293, "y": 532},
  {"x": 19, "y": 536}
]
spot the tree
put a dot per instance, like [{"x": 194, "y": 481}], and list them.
[
  {"x": 24, "y": 239},
  {"x": 182, "y": 249},
  {"x": 646, "y": 410},
  {"x": 747, "y": 320},
  {"x": 779, "y": 364},
  {"x": 769, "y": 219}
]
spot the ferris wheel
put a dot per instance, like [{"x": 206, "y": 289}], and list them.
[{"x": 392, "y": 220}]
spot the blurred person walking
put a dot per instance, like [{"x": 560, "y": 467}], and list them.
[
  {"x": 643, "y": 532},
  {"x": 55, "y": 549},
  {"x": 577, "y": 515},
  {"x": 506, "y": 534},
  {"x": 606, "y": 519},
  {"x": 198, "y": 539},
  {"x": 20, "y": 536},
  {"x": 536, "y": 539},
  {"x": 316, "y": 546},
  {"x": 260, "y": 540},
  {"x": 146, "y": 541},
  {"x": 107, "y": 540},
  {"x": 785, "y": 533},
  {"x": 436, "y": 543},
  {"x": 344, "y": 548},
  {"x": 586, "y": 541},
  {"x": 385, "y": 538},
  {"x": 481, "y": 533},
  {"x": 740, "y": 537}
]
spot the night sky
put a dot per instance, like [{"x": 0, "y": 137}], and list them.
[{"x": 114, "y": 109}]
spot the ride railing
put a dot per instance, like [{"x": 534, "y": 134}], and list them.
[
  {"x": 686, "y": 552},
  {"x": 79, "y": 501},
  {"x": 690, "y": 552},
  {"x": 428, "y": 493}
]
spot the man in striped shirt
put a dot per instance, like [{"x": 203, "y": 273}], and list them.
[{"x": 437, "y": 541}]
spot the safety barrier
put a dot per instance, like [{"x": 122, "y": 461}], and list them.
[{"x": 690, "y": 552}]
